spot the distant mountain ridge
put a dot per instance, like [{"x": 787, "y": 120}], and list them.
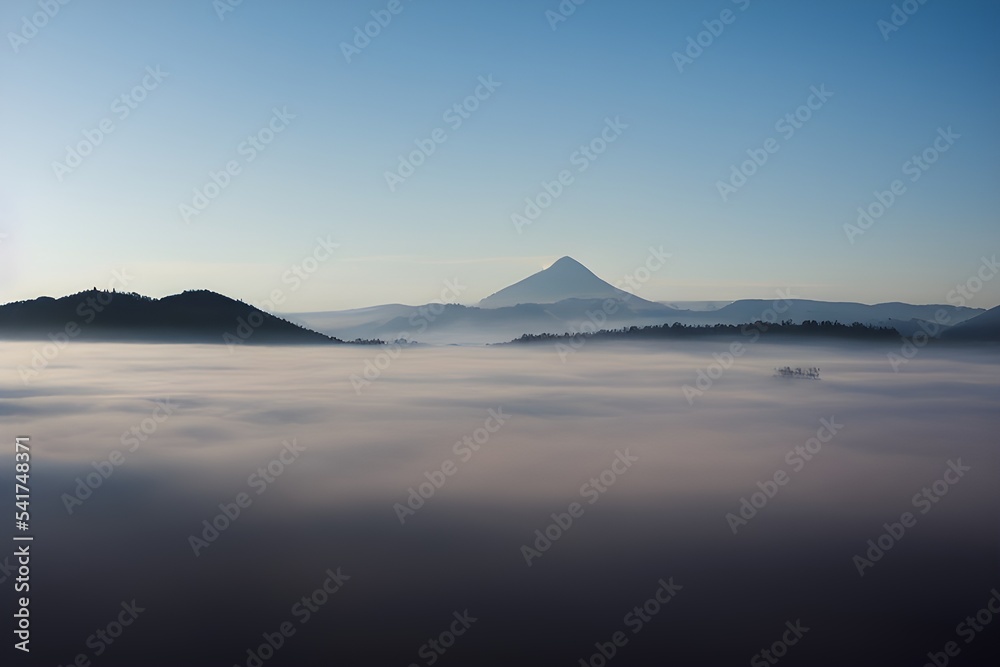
[
  {"x": 567, "y": 297},
  {"x": 197, "y": 316},
  {"x": 453, "y": 323}
]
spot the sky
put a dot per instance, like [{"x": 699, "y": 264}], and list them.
[{"x": 624, "y": 122}]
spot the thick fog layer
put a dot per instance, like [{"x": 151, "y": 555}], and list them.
[{"x": 674, "y": 471}]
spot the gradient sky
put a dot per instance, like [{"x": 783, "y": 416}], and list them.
[{"x": 656, "y": 185}]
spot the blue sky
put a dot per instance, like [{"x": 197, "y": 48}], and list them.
[{"x": 324, "y": 174}]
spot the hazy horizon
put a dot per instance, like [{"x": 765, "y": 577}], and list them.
[{"x": 978, "y": 302}]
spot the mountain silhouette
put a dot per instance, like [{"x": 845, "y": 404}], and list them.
[
  {"x": 984, "y": 327},
  {"x": 453, "y": 323},
  {"x": 565, "y": 279},
  {"x": 197, "y": 316}
]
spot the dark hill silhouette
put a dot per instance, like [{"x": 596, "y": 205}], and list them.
[
  {"x": 982, "y": 328},
  {"x": 196, "y": 316}
]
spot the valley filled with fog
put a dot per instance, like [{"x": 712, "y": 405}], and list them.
[{"x": 425, "y": 475}]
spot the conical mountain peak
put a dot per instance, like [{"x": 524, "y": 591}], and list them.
[{"x": 566, "y": 278}]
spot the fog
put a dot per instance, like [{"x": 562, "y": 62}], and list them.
[{"x": 511, "y": 435}]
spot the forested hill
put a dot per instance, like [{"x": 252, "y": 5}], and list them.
[
  {"x": 193, "y": 316},
  {"x": 753, "y": 330}
]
